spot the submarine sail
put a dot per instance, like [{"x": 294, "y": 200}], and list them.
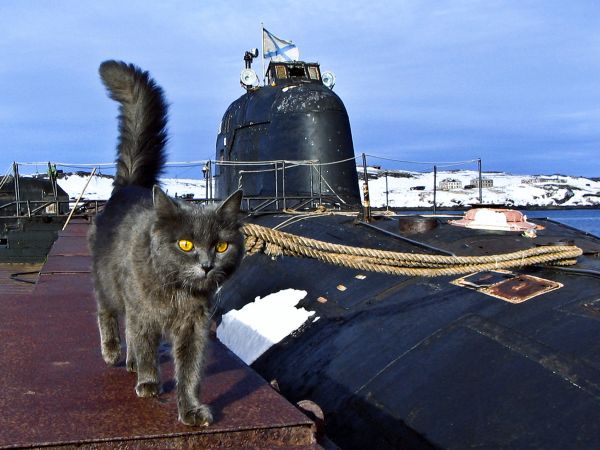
[{"x": 289, "y": 140}]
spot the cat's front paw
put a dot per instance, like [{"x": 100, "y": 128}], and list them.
[
  {"x": 111, "y": 352},
  {"x": 197, "y": 417},
  {"x": 147, "y": 389}
]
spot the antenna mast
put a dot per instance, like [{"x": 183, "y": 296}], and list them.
[{"x": 262, "y": 43}]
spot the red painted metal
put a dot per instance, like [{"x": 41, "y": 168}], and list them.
[
  {"x": 508, "y": 286},
  {"x": 9, "y": 286},
  {"x": 495, "y": 219},
  {"x": 57, "y": 391},
  {"x": 522, "y": 288}
]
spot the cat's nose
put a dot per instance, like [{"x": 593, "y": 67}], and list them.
[{"x": 206, "y": 267}]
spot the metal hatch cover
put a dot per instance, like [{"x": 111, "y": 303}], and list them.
[{"x": 507, "y": 286}]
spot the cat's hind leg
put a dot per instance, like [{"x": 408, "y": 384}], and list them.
[
  {"x": 110, "y": 342},
  {"x": 108, "y": 323}
]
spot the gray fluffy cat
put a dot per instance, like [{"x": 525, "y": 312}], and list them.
[{"x": 157, "y": 261}]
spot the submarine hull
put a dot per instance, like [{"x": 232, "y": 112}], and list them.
[{"x": 416, "y": 362}]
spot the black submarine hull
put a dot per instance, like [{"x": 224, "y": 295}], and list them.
[{"x": 417, "y": 362}]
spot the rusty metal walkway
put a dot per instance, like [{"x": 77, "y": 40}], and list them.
[{"x": 57, "y": 392}]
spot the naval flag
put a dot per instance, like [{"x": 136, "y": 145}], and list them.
[{"x": 278, "y": 49}]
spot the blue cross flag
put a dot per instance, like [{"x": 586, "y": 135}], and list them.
[{"x": 278, "y": 49}]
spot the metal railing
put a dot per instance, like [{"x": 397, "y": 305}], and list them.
[
  {"x": 319, "y": 193},
  {"x": 32, "y": 208},
  {"x": 434, "y": 166}
]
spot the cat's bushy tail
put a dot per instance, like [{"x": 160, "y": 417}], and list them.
[{"x": 141, "y": 151}]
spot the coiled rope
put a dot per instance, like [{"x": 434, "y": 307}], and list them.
[{"x": 278, "y": 243}]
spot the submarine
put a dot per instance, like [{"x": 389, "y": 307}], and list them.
[{"x": 496, "y": 356}]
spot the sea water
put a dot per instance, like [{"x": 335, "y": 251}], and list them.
[{"x": 582, "y": 219}]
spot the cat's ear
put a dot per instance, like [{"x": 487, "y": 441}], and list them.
[
  {"x": 231, "y": 205},
  {"x": 163, "y": 205}
]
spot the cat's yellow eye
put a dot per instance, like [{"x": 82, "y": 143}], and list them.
[
  {"x": 221, "y": 247},
  {"x": 185, "y": 245}
]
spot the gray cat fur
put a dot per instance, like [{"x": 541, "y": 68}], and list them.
[{"x": 139, "y": 272}]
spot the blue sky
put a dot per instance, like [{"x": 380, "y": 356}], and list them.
[{"x": 516, "y": 83}]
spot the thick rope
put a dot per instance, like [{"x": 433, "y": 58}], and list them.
[{"x": 277, "y": 243}]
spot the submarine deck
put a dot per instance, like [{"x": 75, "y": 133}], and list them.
[
  {"x": 418, "y": 362},
  {"x": 57, "y": 391}
]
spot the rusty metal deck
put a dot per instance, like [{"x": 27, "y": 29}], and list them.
[
  {"x": 27, "y": 274},
  {"x": 57, "y": 391}
]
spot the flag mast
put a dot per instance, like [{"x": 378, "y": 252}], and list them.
[{"x": 262, "y": 41}]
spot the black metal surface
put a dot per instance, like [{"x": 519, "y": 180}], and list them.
[
  {"x": 410, "y": 241},
  {"x": 400, "y": 362},
  {"x": 291, "y": 121},
  {"x": 416, "y": 224},
  {"x": 28, "y": 239}
]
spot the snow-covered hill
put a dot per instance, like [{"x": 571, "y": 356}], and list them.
[
  {"x": 100, "y": 187},
  {"x": 404, "y": 189},
  {"x": 412, "y": 189}
]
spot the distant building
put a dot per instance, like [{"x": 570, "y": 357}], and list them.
[
  {"x": 448, "y": 184},
  {"x": 486, "y": 182}
]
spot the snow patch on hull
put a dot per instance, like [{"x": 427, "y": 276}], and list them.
[{"x": 253, "y": 329}]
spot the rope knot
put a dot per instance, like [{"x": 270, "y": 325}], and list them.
[{"x": 253, "y": 245}]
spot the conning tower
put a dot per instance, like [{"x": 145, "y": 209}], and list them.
[{"x": 287, "y": 143}]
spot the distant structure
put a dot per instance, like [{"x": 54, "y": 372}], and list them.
[
  {"x": 35, "y": 195},
  {"x": 448, "y": 184},
  {"x": 486, "y": 182},
  {"x": 536, "y": 180},
  {"x": 555, "y": 179}
]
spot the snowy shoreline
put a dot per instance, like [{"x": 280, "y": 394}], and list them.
[
  {"x": 464, "y": 208},
  {"x": 456, "y": 190}
]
